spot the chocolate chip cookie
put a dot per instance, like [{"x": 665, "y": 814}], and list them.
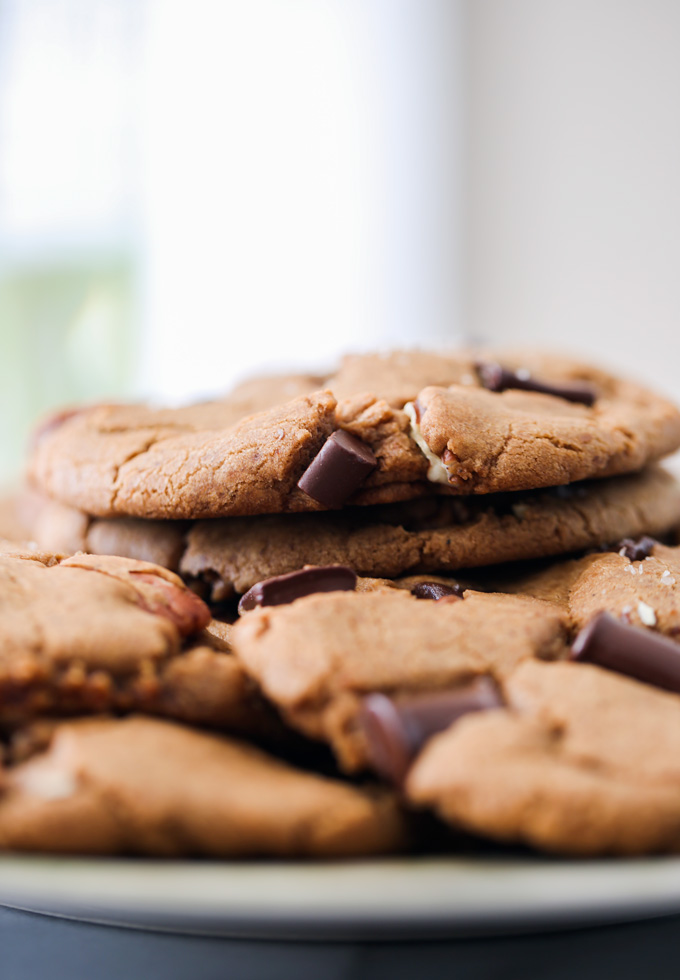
[
  {"x": 640, "y": 585},
  {"x": 477, "y": 435},
  {"x": 145, "y": 786},
  {"x": 317, "y": 657},
  {"x": 91, "y": 634},
  {"x": 431, "y": 534},
  {"x": 579, "y": 761}
]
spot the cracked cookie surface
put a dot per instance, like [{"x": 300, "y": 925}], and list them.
[
  {"x": 641, "y": 593},
  {"x": 430, "y": 534},
  {"x": 117, "y": 461},
  {"x": 438, "y": 534},
  {"x": 91, "y": 634},
  {"x": 317, "y": 657},
  {"x": 579, "y": 762},
  {"x": 198, "y": 461}
]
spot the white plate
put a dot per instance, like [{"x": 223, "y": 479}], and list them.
[{"x": 368, "y": 899}]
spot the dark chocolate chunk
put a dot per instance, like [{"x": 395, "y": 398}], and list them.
[
  {"x": 495, "y": 377},
  {"x": 338, "y": 470},
  {"x": 281, "y": 589},
  {"x": 396, "y": 730},
  {"x": 435, "y": 590},
  {"x": 639, "y": 653},
  {"x": 636, "y": 550}
]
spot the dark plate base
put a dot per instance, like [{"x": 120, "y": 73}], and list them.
[{"x": 33, "y": 947}]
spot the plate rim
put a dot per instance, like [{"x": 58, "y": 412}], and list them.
[{"x": 370, "y": 899}]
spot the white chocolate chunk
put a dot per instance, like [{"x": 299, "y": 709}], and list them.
[
  {"x": 646, "y": 614},
  {"x": 437, "y": 473}
]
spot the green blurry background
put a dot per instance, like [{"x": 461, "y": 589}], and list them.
[
  {"x": 68, "y": 336},
  {"x": 196, "y": 190}
]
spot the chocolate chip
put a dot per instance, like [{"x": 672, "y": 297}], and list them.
[
  {"x": 495, "y": 377},
  {"x": 340, "y": 467},
  {"x": 435, "y": 590},
  {"x": 635, "y": 550},
  {"x": 281, "y": 589},
  {"x": 629, "y": 650},
  {"x": 396, "y": 730}
]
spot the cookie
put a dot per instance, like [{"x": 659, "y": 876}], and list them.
[
  {"x": 581, "y": 761},
  {"x": 91, "y": 634},
  {"x": 181, "y": 464},
  {"x": 465, "y": 439},
  {"x": 319, "y": 656},
  {"x": 144, "y": 786},
  {"x": 547, "y": 421},
  {"x": 398, "y": 376},
  {"x": 433, "y": 535},
  {"x": 430, "y": 535},
  {"x": 12, "y": 525},
  {"x": 259, "y": 393},
  {"x": 481, "y": 441},
  {"x": 643, "y": 592}
]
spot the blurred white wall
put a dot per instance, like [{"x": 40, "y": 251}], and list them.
[
  {"x": 69, "y": 87},
  {"x": 573, "y": 166},
  {"x": 287, "y": 179},
  {"x": 302, "y": 183}
]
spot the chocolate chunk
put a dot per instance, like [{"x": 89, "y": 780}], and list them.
[
  {"x": 495, "y": 377},
  {"x": 397, "y": 730},
  {"x": 639, "y": 653},
  {"x": 281, "y": 589},
  {"x": 435, "y": 590},
  {"x": 636, "y": 550},
  {"x": 338, "y": 470}
]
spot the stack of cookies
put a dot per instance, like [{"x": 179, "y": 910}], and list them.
[{"x": 427, "y": 598}]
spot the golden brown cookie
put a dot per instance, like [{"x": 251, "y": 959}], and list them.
[
  {"x": 432, "y": 535},
  {"x": 318, "y": 656},
  {"x": 429, "y": 535},
  {"x": 482, "y": 441},
  {"x": 91, "y": 634},
  {"x": 197, "y": 462},
  {"x": 13, "y": 526},
  {"x": 398, "y": 376},
  {"x": 642, "y": 592},
  {"x": 581, "y": 761},
  {"x": 144, "y": 786}
]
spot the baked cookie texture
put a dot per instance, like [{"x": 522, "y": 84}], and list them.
[
  {"x": 579, "y": 762},
  {"x": 398, "y": 376},
  {"x": 431, "y": 535},
  {"x": 91, "y": 634},
  {"x": 144, "y": 786},
  {"x": 318, "y": 656},
  {"x": 12, "y": 526},
  {"x": 196, "y": 462},
  {"x": 643, "y": 593},
  {"x": 512, "y": 440},
  {"x": 465, "y": 460}
]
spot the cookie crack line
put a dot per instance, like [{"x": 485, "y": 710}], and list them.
[
  {"x": 627, "y": 427},
  {"x": 118, "y": 467}
]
